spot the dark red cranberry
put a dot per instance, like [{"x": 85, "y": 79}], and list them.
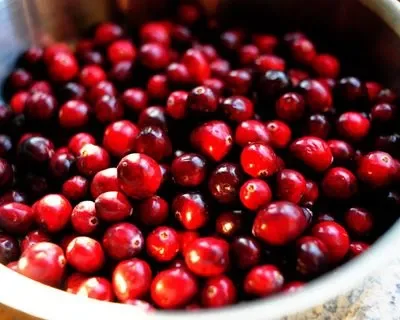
[
  {"x": 248, "y": 54},
  {"x": 173, "y": 288},
  {"x": 134, "y": 99},
  {"x": 182, "y": 37},
  {"x": 79, "y": 140},
  {"x": 273, "y": 84},
  {"x": 92, "y": 159},
  {"x": 311, "y": 193},
  {"x": 178, "y": 74},
  {"x": 153, "y": 116},
  {"x": 18, "y": 100},
  {"x": 293, "y": 286},
  {"x": 339, "y": 183},
  {"x": 155, "y": 32},
  {"x": 290, "y": 185},
  {"x": 44, "y": 262},
  {"x": 20, "y": 79},
  {"x": 41, "y": 86},
  {"x": 220, "y": 68},
  {"x": 85, "y": 254},
  {"x": 303, "y": 51},
  {"x": 229, "y": 223},
  {"x": 84, "y": 218},
  {"x": 121, "y": 50},
  {"x": 185, "y": 239},
  {"x": 313, "y": 152},
  {"x": 353, "y": 126},
  {"x": 103, "y": 88},
  {"x": 267, "y": 62},
  {"x": 383, "y": 112},
  {"x": 255, "y": 194},
  {"x": 335, "y": 237},
  {"x": 154, "y": 142},
  {"x": 202, "y": 99},
  {"x": 343, "y": 153},
  {"x": 317, "y": 97},
  {"x": 13, "y": 196},
  {"x": 238, "y": 82},
  {"x": 154, "y": 56},
  {"x": 238, "y": 108},
  {"x": 312, "y": 256},
  {"x": 106, "y": 33},
  {"x": 35, "y": 153},
  {"x": 356, "y": 248},
  {"x": 108, "y": 109},
  {"x": 350, "y": 91},
  {"x": 32, "y": 58},
  {"x": 263, "y": 281},
  {"x": 359, "y": 221},
  {"x": 246, "y": 252},
  {"x": 162, "y": 244},
  {"x": 317, "y": 125},
  {"x": 190, "y": 210},
  {"x": 188, "y": 14},
  {"x": 131, "y": 279},
  {"x": 9, "y": 249},
  {"x": 123, "y": 241},
  {"x": 189, "y": 170},
  {"x": 290, "y": 107},
  {"x": 258, "y": 160},
  {"x": 16, "y": 218},
  {"x": 53, "y": 212},
  {"x": 153, "y": 211},
  {"x": 176, "y": 105},
  {"x": 6, "y": 173},
  {"x": 218, "y": 292},
  {"x": 119, "y": 137},
  {"x": 74, "y": 114},
  {"x": 75, "y": 188},
  {"x": 266, "y": 43},
  {"x": 113, "y": 206},
  {"x": 139, "y": 176},
  {"x": 376, "y": 168},
  {"x": 32, "y": 238},
  {"x": 224, "y": 182},
  {"x": 213, "y": 139},
  {"x": 279, "y": 223},
  {"x": 122, "y": 73},
  {"x": 251, "y": 131},
  {"x": 279, "y": 132},
  {"x": 91, "y": 58},
  {"x": 386, "y": 95},
  {"x": 40, "y": 106},
  {"x": 207, "y": 257},
  {"x": 326, "y": 65},
  {"x": 35, "y": 185},
  {"x": 197, "y": 65},
  {"x": 62, "y": 164}
]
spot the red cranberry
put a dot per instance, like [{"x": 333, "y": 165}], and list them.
[
  {"x": 106, "y": 33},
  {"x": 279, "y": 132},
  {"x": 108, "y": 109},
  {"x": 91, "y": 75},
  {"x": 216, "y": 85},
  {"x": 351, "y": 91},
  {"x": 238, "y": 108},
  {"x": 173, "y": 288},
  {"x": 44, "y": 262},
  {"x": 131, "y": 279},
  {"x": 18, "y": 101},
  {"x": 9, "y": 249},
  {"x": 258, "y": 160},
  {"x": 359, "y": 221},
  {"x": 32, "y": 238},
  {"x": 123, "y": 241},
  {"x": 342, "y": 151},
  {"x": 297, "y": 75},
  {"x": 290, "y": 107},
  {"x": 317, "y": 97},
  {"x": 153, "y": 116},
  {"x": 376, "y": 168},
  {"x": 373, "y": 88},
  {"x": 213, "y": 139},
  {"x": 139, "y": 176},
  {"x": 326, "y": 65},
  {"x": 303, "y": 50},
  {"x": 154, "y": 56},
  {"x": 290, "y": 185},
  {"x": 266, "y": 43},
  {"x": 189, "y": 170},
  {"x": 293, "y": 286},
  {"x": 62, "y": 67},
  {"x": 78, "y": 141},
  {"x": 267, "y": 62},
  {"x": 220, "y": 68},
  {"x": 121, "y": 50},
  {"x": 61, "y": 164},
  {"x": 246, "y": 252},
  {"x": 53, "y": 212},
  {"x": 75, "y": 188},
  {"x": 279, "y": 223},
  {"x": 339, "y": 183},
  {"x": 95, "y": 287},
  {"x": 153, "y": 211},
  {"x": 228, "y": 223},
  {"x": 353, "y": 126},
  {"x": 218, "y": 292},
  {"x": 190, "y": 210},
  {"x": 6, "y": 145},
  {"x": 74, "y": 114},
  {"x": 84, "y": 218},
  {"x": 92, "y": 159},
  {"x": 335, "y": 237},
  {"x": 311, "y": 193},
  {"x": 356, "y": 248},
  {"x": 91, "y": 58},
  {"x": 383, "y": 112},
  {"x": 16, "y": 218},
  {"x": 317, "y": 125},
  {"x": 155, "y": 32},
  {"x": 197, "y": 65},
  {"x": 135, "y": 99},
  {"x": 251, "y": 131},
  {"x": 248, "y": 54},
  {"x": 185, "y": 239},
  {"x": 255, "y": 194},
  {"x": 103, "y": 88},
  {"x": 85, "y": 254},
  {"x": 119, "y": 137},
  {"x": 273, "y": 84},
  {"x": 182, "y": 37},
  {"x": 35, "y": 153},
  {"x": 207, "y": 257},
  {"x": 103, "y": 181},
  {"x": 238, "y": 82},
  {"x": 224, "y": 183},
  {"x": 13, "y": 196},
  {"x": 112, "y": 206},
  {"x": 121, "y": 73},
  {"x": 202, "y": 99},
  {"x": 188, "y": 14},
  {"x": 312, "y": 256},
  {"x": 162, "y": 244},
  {"x": 178, "y": 74},
  {"x": 313, "y": 152},
  {"x": 263, "y": 281},
  {"x": 40, "y": 106},
  {"x": 154, "y": 142},
  {"x": 32, "y": 57}
]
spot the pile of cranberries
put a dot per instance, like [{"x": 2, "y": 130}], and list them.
[{"x": 184, "y": 166}]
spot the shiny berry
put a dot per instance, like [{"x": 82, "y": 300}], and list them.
[
  {"x": 317, "y": 97},
  {"x": 106, "y": 33},
  {"x": 79, "y": 140},
  {"x": 9, "y": 249},
  {"x": 197, "y": 65},
  {"x": 245, "y": 252},
  {"x": 113, "y": 206},
  {"x": 108, "y": 109},
  {"x": 154, "y": 56},
  {"x": 251, "y": 131},
  {"x": 62, "y": 67},
  {"x": 40, "y": 106},
  {"x": 339, "y": 183},
  {"x": 162, "y": 244},
  {"x": 91, "y": 75},
  {"x": 92, "y": 159},
  {"x": 376, "y": 168},
  {"x": 343, "y": 152},
  {"x": 153, "y": 116},
  {"x": 16, "y": 218},
  {"x": 359, "y": 221},
  {"x": 263, "y": 280},
  {"x": 121, "y": 50},
  {"x": 176, "y": 105},
  {"x": 189, "y": 170},
  {"x": 229, "y": 223},
  {"x": 238, "y": 108},
  {"x": 351, "y": 91},
  {"x": 353, "y": 126},
  {"x": 255, "y": 194},
  {"x": 119, "y": 137},
  {"x": 326, "y": 65},
  {"x": 312, "y": 256},
  {"x": 190, "y": 209},
  {"x": 154, "y": 142},
  {"x": 84, "y": 218},
  {"x": 218, "y": 292},
  {"x": 202, "y": 99},
  {"x": 258, "y": 160},
  {"x": 153, "y": 211},
  {"x": 290, "y": 107},
  {"x": 103, "y": 181},
  {"x": 290, "y": 185},
  {"x": 279, "y": 132},
  {"x": 134, "y": 99},
  {"x": 75, "y": 188},
  {"x": 85, "y": 254},
  {"x": 356, "y": 248},
  {"x": 224, "y": 182}
]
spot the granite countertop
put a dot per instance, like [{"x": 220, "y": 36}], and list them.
[{"x": 378, "y": 298}]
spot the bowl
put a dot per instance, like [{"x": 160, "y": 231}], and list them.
[{"x": 364, "y": 33}]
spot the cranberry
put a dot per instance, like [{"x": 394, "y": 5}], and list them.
[
  {"x": 279, "y": 132},
  {"x": 297, "y": 75},
  {"x": 44, "y": 262},
  {"x": 376, "y": 168},
  {"x": 255, "y": 194},
  {"x": 342, "y": 151},
  {"x": 213, "y": 139},
  {"x": 139, "y": 176},
  {"x": 238, "y": 108},
  {"x": 113, "y": 206},
  {"x": 317, "y": 125},
  {"x": 92, "y": 58},
  {"x": 350, "y": 91},
  {"x": 62, "y": 67},
  {"x": 103, "y": 181},
  {"x": 303, "y": 51},
  {"x": 20, "y": 79},
  {"x": 317, "y": 97},
  {"x": 188, "y": 14},
  {"x": 6, "y": 173},
  {"x": 131, "y": 279},
  {"x": 373, "y": 88},
  {"x": 326, "y": 65},
  {"x": 162, "y": 244},
  {"x": 108, "y": 109},
  {"x": 32, "y": 57},
  {"x": 35, "y": 153},
  {"x": 16, "y": 218},
  {"x": 9, "y": 249},
  {"x": 53, "y": 212},
  {"x": 40, "y": 106},
  {"x": 75, "y": 188},
  {"x": 197, "y": 65},
  {"x": 267, "y": 62},
  {"x": 220, "y": 68},
  {"x": 94, "y": 287},
  {"x": 263, "y": 280},
  {"x": 33, "y": 237},
  {"x": 106, "y": 33},
  {"x": 84, "y": 218},
  {"x": 103, "y": 88},
  {"x": 311, "y": 193},
  {"x": 293, "y": 286},
  {"x": 313, "y": 152},
  {"x": 62, "y": 164},
  {"x": 153, "y": 116},
  {"x": 353, "y": 126},
  {"x": 134, "y": 99},
  {"x": 229, "y": 223},
  {"x": 207, "y": 257},
  {"x": 91, "y": 75},
  {"x": 258, "y": 160},
  {"x": 13, "y": 196},
  {"x": 273, "y": 84},
  {"x": 251, "y": 131},
  {"x": 312, "y": 256},
  {"x": 154, "y": 56},
  {"x": 153, "y": 211},
  {"x": 189, "y": 170},
  {"x": 178, "y": 74},
  {"x": 182, "y": 38},
  {"x": 238, "y": 82},
  {"x": 290, "y": 107},
  {"x": 224, "y": 182},
  {"x": 5, "y": 114},
  {"x": 190, "y": 210},
  {"x": 291, "y": 185},
  {"x": 123, "y": 241},
  {"x": 386, "y": 96},
  {"x": 18, "y": 101},
  {"x": 339, "y": 183},
  {"x": 85, "y": 254},
  {"x": 202, "y": 99},
  {"x": 248, "y": 54},
  {"x": 266, "y": 43},
  {"x": 78, "y": 141},
  {"x": 155, "y": 32},
  {"x": 359, "y": 221},
  {"x": 383, "y": 112},
  {"x": 335, "y": 237},
  {"x": 279, "y": 223},
  {"x": 173, "y": 288},
  {"x": 356, "y": 248},
  {"x": 218, "y": 292},
  {"x": 121, "y": 50},
  {"x": 92, "y": 159},
  {"x": 246, "y": 252},
  {"x": 154, "y": 142},
  {"x": 119, "y": 137}
]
